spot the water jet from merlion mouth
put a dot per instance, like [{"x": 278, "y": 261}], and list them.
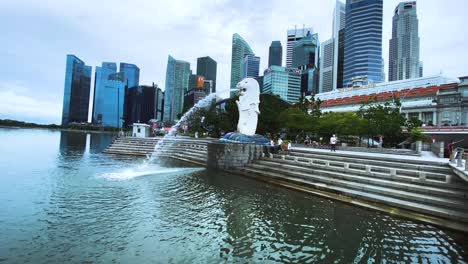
[{"x": 203, "y": 103}]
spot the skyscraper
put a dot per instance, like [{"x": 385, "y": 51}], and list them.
[
  {"x": 275, "y": 55},
  {"x": 177, "y": 82},
  {"x": 240, "y": 48},
  {"x": 404, "y": 45},
  {"x": 363, "y": 41},
  {"x": 101, "y": 76},
  {"x": 306, "y": 58},
  {"x": 306, "y": 52},
  {"x": 331, "y": 54},
  {"x": 132, "y": 73},
  {"x": 76, "y": 91},
  {"x": 113, "y": 91},
  {"x": 294, "y": 35},
  {"x": 143, "y": 104},
  {"x": 284, "y": 82},
  {"x": 326, "y": 66},
  {"x": 206, "y": 66},
  {"x": 250, "y": 66}
]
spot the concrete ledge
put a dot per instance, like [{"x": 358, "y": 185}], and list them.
[{"x": 394, "y": 211}]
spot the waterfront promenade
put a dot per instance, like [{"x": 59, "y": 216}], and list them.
[{"x": 420, "y": 187}]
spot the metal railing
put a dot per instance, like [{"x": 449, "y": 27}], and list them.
[{"x": 460, "y": 156}]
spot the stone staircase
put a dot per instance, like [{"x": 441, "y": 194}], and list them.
[
  {"x": 132, "y": 146},
  {"x": 189, "y": 150},
  {"x": 186, "y": 149},
  {"x": 424, "y": 187}
]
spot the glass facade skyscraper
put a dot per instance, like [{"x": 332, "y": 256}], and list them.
[
  {"x": 206, "y": 66},
  {"x": 143, "y": 103},
  {"x": 306, "y": 58},
  {"x": 177, "y": 82},
  {"x": 113, "y": 91},
  {"x": 76, "y": 91},
  {"x": 284, "y": 82},
  {"x": 240, "y": 48},
  {"x": 250, "y": 66},
  {"x": 404, "y": 46},
  {"x": 275, "y": 54},
  {"x": 294, "y": 35},
  {"x": 306, "y": 52},
  {"x": 101, "y": 76},
  {"x": 132, "y": 73},
  {"x": 363, "y": 41}
]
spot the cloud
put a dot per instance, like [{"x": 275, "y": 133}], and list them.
[
  {"x": 18, "y": 105},
  {"x": 37, "y": 36}
]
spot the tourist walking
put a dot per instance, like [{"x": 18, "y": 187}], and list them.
[
  {"x": 297, "y": 138},
  {"x": 333, "y": 140}
]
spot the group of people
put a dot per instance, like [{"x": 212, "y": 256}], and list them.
[
  {"x": 280, "y": 145},
  {"x": 307, "y": 141}
]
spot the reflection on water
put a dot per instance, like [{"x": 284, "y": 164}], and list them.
[{"x": 67, "y": 206}]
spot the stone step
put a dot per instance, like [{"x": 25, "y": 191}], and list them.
[
  {"x": 379, "y": 161},
  {"x": 439, "y": 211},
  {"x": 406, "y": 175},
  {"x": 193, "y": 158},
  {"x": 407, "y": 192},
  {"x": 130, "y": 148},
  {"x": 181, "y": 152},
  {"x": 447, "y": 189},
  {"x": 129, "y": 153}
]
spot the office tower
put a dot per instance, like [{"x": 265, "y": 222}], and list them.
[
  {"x": 306, "y": 52},
  {"x": 196, "y": 81},
  {"x": 177, "y": 82},
  {"x": 275, "y": 54},
  {"x": 294, "y": 35},
  {"x": 284, "y": 82},
  {"x": 363, "y": 41},
  {"x": 306, "y": 58},
  {"x": 250, "y": 66},
  {"x": 240, "y": 48},
  {"x": 76, "y": 91},
  {"x": 206, "y": 66},
  {"x": 113, "y": 91},
  {"x": 404, "y": 45},
  {"x": 331, "y": 53},
  {"x": 340, "y": 68},
  {"x": 132, "y": 73},
  {"x": 101, "y": 76},
  {"x": 143, "y": 103},
  {"x": 326, "y": 66}
]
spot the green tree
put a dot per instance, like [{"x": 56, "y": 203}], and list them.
[
  {"x": 271, "y": 106},
  {"x": 413, "y": 123},
  {"x": 296, "y": 121},
  {"x": 383, "y": 119}
]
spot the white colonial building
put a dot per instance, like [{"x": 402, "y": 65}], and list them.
[{"x": 435, "y": 100}]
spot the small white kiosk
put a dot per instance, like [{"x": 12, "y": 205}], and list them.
[{"x": 140, "y": 130}]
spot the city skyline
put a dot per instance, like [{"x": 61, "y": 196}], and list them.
[{"x": 39, "y": 41}]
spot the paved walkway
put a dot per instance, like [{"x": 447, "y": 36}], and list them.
[{"x": 425, "y": 155}]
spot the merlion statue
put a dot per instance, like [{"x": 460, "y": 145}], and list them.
[{"x": 249, "y": 100}]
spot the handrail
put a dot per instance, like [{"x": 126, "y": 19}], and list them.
[{"x": 458, "y": 156}]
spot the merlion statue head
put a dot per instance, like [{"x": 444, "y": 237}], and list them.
[
  {"x": 249, "y": 99},
  {"x": 249, "y": 92}
]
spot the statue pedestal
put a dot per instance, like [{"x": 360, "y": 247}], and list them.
[{"x": 229, "y": 156}]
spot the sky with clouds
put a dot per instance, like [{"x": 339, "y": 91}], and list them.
[{"x": 37, "y": 36}]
